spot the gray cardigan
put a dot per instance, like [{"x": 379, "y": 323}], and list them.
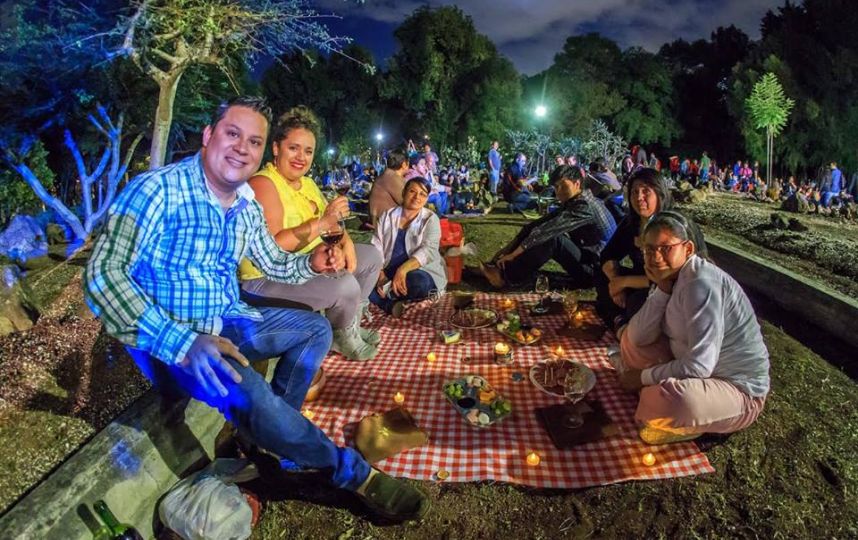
[{"x": 421, "y": 241}]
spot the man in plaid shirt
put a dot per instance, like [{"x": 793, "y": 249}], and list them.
[
  {"x": 573, "y": 235},
  {"x": 162, "y": 277}
]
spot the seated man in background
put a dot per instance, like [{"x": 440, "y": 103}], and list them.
[
  {"x": 163, "y": 279},
  {"x": 516, "y": 186},
  {"x": 573, "y": 235}
]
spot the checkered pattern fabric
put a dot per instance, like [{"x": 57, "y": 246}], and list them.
[{"x": 497, "y": 452}]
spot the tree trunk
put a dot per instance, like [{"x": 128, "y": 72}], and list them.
[{"x": 163, "y": 118}]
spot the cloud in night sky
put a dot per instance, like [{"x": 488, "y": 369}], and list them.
[{"x": 530, "y": 33}]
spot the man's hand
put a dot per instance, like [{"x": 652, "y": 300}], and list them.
[
  {"x": 507, "y": 257},
  {"x": 206, "y": 354},
  {"x": 630, "y": 380},
  {"x": 399, "y": 285},
  {"x": 326, "y": 259},
  {"x": 617, "y": 290},
  {"x": 349, "y": 254}
]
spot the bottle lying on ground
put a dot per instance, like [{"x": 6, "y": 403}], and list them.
[{"x": 119, "y": 531}]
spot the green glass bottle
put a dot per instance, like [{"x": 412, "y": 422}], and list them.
[{"x": 119, "y": 531}]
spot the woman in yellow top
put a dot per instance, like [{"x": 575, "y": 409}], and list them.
[{"x": 297, "y": 213}]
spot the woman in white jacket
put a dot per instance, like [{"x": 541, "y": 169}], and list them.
[
  {"x": 407, "y": 237},
  {"x": 694, "y": 350}
]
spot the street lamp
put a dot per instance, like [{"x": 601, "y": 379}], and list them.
[
  {"x": 330, "y": 151},
  {"x": 540, "y": 111},
  {"x": 379, "y": 136}
]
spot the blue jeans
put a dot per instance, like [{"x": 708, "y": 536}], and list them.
[
  {"x": 521, "y": 200},
  {"x": 418, "y": 282},
  {"x": 494, "y": 179},
  {"x": 827, "y": 196},
  {"x": 270, "y": 414},
  {"x": 439, "y": 200}
]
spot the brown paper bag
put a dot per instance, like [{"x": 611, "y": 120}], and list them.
[{"x": 381, "y": 436}]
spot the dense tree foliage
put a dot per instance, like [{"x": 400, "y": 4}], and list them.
[
  {"x": 448, "y": 81},
  {"x": 813, "y": 50}
]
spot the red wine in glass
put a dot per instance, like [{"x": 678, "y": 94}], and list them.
[{"x": 332, "y": 238}]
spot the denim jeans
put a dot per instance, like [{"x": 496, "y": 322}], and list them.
[
  {"x": 439, "y": 200},
  {"x": 270, "y": 414},
  {"x": 827, "y": 196},
  {"x": 418, "y": 282},
  {"x": 521, "y": 200},
  {"x": 494, "y": 179}
]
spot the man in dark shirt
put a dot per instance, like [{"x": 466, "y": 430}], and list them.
[{"x": 572, "y": 235}]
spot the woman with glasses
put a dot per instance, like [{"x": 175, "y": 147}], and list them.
[
  {"x": 622, "y": 290},
  {"x": 694, "y": 350},
  {"x": 298, "y": 217},
  {"x": 407, "y": 237}
]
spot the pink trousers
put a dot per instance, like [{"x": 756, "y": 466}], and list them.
[{"x": 687, "y": 406}]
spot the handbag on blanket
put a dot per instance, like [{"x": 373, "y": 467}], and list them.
[
  {"x": 381, "y": 436},
  {"x": 570, "y": 424}
]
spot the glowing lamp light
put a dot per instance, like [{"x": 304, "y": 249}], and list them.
[
  {"x": 399, "y": 398},
  {"x": 379, "y": 136},
  {"x": 533, "y": 459},
  {"x": 540, "y": 111},
  {"x": 330, "y": 151},
  {"x": 648, "y": 459},
  {"x": 431, "y": 357}
]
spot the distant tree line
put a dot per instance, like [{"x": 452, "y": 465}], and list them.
[{"x": 446, "y": 83}]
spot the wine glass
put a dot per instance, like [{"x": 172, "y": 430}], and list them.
[
  {"x": 542, "y": 287},
  {"x": 572, "y": 393},
  {"x": 333, "y": 235}
]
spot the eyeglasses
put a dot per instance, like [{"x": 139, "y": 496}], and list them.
[{"x": 663, "y": 250}]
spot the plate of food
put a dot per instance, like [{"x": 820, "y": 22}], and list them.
[
  {"x": 477, "y": 401},
  {"x": 521, "y": 334},
  {"x": 473, "y": 318},
  {"x": 564, "y": 378}
]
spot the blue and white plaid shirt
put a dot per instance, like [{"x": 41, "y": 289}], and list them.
[{"x": 164, "y": 269}]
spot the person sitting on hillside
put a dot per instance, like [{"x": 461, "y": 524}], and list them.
[
  {"x": 517, "y": 186},
  {"x": 607, "y": 188},
  {"x": 694, "y": 351},
  {"x": 297, "y": 215},
  {"x": 573, "y": 235},
  {"x": 621, "y": 290},
  {"x": 408, "y": 237}
]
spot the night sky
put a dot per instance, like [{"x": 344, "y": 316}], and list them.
[{"x": 530, "y": 33}]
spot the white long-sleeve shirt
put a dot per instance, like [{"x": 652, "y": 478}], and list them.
[{"x": 712, "y": 329}]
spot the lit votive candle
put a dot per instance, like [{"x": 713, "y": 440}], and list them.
[
  {"x": 578, "y": 319},
  {"x": 533, "y": 459},
  {"x": 507, "y": 303},
  {"x": 399, "y": 398},
  {"x": 559, "y": 352},
  {"x": 503, "y": 353},
  {"x": 308, "y": 414},
  {"x": 648, "y": 459},
  {"x": 431, "y": 357}
]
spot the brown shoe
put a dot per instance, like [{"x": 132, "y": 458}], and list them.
[
  {"x": 493, "y": 275},
  {"x": 316, "y": 386}
]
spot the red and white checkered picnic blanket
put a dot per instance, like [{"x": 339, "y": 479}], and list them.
[{"x": 498, "y": 452}]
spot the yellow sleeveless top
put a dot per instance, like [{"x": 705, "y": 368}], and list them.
[{"x": 297, "y": 209}]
